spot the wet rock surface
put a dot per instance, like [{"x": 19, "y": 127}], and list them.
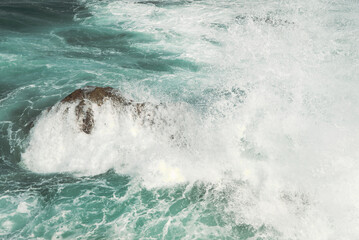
[
  {"x": 96, "y": 95},
  {"x": 84, "y": 106},
  {"x": 85, "y": 97}
]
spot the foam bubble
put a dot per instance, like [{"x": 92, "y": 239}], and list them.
[{"x": 23, "y": 208}]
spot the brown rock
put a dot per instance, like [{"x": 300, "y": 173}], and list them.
[
  {"x": 85, "y": 96},
  {"x": 96, "y": 95},
  {"x": 149, "y": 115}
]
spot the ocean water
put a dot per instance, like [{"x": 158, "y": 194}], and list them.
[{"x": 263, "y": 100}]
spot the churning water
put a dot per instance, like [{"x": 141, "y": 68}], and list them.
[{"x": 264, "y": 110}]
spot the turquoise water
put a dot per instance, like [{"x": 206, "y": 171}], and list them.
[{"x": 264, "y": 103}]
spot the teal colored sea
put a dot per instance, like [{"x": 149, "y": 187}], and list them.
[{"x": 260, "y": 139}]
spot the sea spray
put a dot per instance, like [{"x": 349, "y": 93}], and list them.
[{"x": 269, "y": 136}]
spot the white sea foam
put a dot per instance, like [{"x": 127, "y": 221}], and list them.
[
  {"x": 117, "y": 141},
  {"x": 288, "y": 151},
  {"x": 16, "y": 212}
]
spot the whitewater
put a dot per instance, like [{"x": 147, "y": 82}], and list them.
[{"x": 258, "y": 138}]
